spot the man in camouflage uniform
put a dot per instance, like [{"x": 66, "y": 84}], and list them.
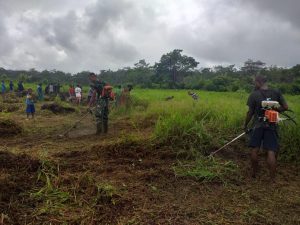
[{"x": 101, "y": 109}]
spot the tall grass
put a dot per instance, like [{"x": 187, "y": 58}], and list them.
[
  {"x": 206, "y": 124},
  {"x": 185, "y": 134}
]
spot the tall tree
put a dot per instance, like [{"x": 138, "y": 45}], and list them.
[
  {"x": 141, "y": 64},
  {"x": 174, "y": 65},
  {"x": 252, "y": 67}
]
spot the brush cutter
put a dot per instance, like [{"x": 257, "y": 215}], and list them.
[
  {"x": 233, "y": 140},
  {"x": 277, "y": 119},
  {"x": 75, "y": 124}
]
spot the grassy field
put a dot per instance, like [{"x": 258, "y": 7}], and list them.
[
  {"x": 151, "y": 167},
  {"x": 211, "y": 121}
]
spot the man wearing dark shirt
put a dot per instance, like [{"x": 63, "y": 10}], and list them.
[
  {"x": 11, "y": 86},
  {"x": 20, "y": 86},
  {"x": 263, "y": 133}
]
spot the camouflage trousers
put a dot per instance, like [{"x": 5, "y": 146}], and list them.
[{"x": 101, "y": 114}]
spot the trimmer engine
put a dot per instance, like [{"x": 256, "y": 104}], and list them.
[{"x": 271, "y": 115}]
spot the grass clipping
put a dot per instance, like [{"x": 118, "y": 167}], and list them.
[{"x": 9, "y": 128}]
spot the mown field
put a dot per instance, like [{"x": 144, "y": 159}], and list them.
[{"x": 151, "y": 168}]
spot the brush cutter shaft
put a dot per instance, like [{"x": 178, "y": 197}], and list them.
[
  {"x": 233, "y": 140},
  {"x": 75, "y": 124}
]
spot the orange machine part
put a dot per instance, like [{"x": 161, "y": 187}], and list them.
[
  {"x": 107, "y": 91},
  {"x": 272, "y": 116}
]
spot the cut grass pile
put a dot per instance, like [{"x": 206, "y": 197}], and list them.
[
  {"x": 9, "y": 128},
  {"x": 209, "y": 170}
]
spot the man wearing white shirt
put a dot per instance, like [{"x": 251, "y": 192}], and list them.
[{"x": 78, "y": 94}]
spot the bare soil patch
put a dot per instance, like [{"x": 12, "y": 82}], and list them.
[{"x": 18, "y": 175}]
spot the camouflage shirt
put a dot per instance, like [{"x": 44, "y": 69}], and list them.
[{"x": 98, "y": 87}]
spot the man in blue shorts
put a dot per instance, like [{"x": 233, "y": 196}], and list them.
[
  {"x": 30, "y": 109},
  {"x": 264, "y": 133}
]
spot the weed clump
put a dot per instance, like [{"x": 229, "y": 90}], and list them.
[{"x": 105, "y": 193}]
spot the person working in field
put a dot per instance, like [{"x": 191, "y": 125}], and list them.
[
  {"x": 263, "y": 105},
  {"x": 51, "y": 89},
  {"x": 90, "y": 95},
  {"x": 193, "y": 95},
  {"x": 21, "y": 89},
  {"x": 71, "y": 91},
  {"x": 11, "y": 86},
  {"x": 3, "y": 87},
  {"x": 78, "y": 94},
  {"x": 103, "y": 94},
  {"x": 125, "y": 96},
  {"x": 39, "y": 91},
  {"x": 72, "y": 96},
  {"x": 30, "y": 109},
  {"x": 93, "y": 99},
  {"x": 118, "y": 92}
]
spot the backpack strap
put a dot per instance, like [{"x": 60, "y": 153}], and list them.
[{"x": 262, "y": 93}]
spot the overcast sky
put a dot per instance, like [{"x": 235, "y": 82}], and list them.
[{"x": 77, "y": 35}]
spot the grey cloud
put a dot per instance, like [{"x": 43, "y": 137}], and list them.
[
  {"x": 74, "y": 35},
  {"x": 6, "y": 46},
  {"x": 56, "y": 31},
  {"x": 55, "y": 6},
  {"x": 109, "y": 31},
  {"x": 234, "y": 35},
  {"x": 105, "y": 13},
  {"x": 65, "y": 30},
  {"x": 286, "y": 9},
  {"x": 121, "y": 51}
]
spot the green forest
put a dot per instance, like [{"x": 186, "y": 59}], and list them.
[{"x": 175, "y": 70}]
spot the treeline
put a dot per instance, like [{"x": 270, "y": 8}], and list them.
[{"x": 176, "y": 71}]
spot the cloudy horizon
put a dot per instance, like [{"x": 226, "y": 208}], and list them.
[{"x": 74, "y": 36}]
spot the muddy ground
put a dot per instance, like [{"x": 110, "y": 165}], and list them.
[{"x": 125, "y": 178}]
